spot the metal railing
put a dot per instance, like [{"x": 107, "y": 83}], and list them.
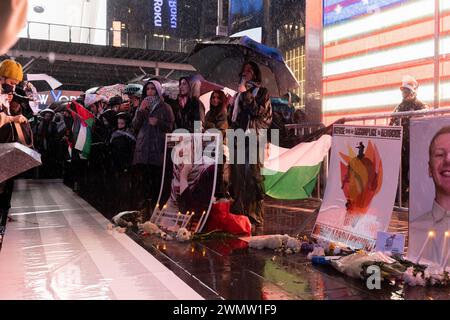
[
  {"x": 379, "y": 119},
  {"x": 105, "y": 37}
]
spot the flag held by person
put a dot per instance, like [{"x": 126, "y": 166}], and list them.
[{"x": 83, "y": 121}]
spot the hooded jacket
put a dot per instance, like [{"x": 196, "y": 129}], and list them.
[{"x": 150, "y": 142}]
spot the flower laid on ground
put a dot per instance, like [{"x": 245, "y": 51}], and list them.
[
  {"x": 150, "y": 228},
  {"x": 279, "y": 243},
  {"x": 183, "y": 235}
]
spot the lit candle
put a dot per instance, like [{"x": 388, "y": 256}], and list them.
[
  {"x": 200, "y": 221},
  {"x": 444, "y": 246},
  {"x": 431, "y": 234},
  {"x": 186, "y": 220},
  {"x": 178, "y": 219},
  {"x": 444, "y": 264}
]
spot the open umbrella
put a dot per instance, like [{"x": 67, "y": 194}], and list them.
[
  {"x": 206, "y": 98},
  {"x": 220, "y": 60},
  {"x": 15, "y": 159},
  {"x": 43, "y": 82},
  {"x": 112, "y": 91}
]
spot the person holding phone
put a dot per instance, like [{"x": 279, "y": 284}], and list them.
[{"x": 153, "y": 120}]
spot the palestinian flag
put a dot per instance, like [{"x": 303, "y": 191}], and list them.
[
  {"x": 83, "y": 121},
  {"x": 291, "y": 174}
]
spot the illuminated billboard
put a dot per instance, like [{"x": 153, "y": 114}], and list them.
[
  {"x": 370, "y": 45},
  {"x": 246, "y": 18},
  {"x": 164, "y": 14}
]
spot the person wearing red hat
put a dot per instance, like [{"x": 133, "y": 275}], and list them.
[{"x": 410, "y": 102}]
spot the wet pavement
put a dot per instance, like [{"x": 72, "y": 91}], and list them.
[{"x": 228, "y": 269}]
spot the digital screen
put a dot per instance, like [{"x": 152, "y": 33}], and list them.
[
  {"x": 164, "y": 14},
  {"x": 371, "y": 45},
  {"x": 245, "y": 15}
]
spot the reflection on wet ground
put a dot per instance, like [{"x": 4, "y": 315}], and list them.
[{"x": 228, "y": 269}]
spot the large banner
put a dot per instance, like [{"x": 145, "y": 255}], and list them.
[
  {"x": 188, "y": 182},
  {"x": 362, "y": 185},
  {"x": 429, "y": 204}
]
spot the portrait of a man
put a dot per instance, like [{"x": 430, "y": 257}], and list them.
[{"x": 434, "y": 224}]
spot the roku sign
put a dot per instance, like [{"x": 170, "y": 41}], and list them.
[{"x": 158, "y": 12}]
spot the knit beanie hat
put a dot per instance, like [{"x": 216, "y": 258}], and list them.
[{"x": 11, "y": 69}]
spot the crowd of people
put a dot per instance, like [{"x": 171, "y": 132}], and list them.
[{"x": 123, "y": 170}]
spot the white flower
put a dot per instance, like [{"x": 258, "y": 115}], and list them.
[
  {"x": 270, "y": 242},
  {"x": 150, "y": 228},
  {"x": 289, "y": 251},
  {"x": 409, "y": 278},
  {"x": 257, "y": 243},
  {"x": 294, "y": 244},
  {"x": 274, "y": 242},
  {"x": 183, "y": 235}
]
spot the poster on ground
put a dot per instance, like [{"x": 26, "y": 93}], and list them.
[
  {"x": 429, "y": 198},
  {"x": 188, "y": 182},
  {"x": 362, "y": 185}
]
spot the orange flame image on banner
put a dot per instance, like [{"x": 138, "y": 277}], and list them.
[{"x": 361, "y": 178}]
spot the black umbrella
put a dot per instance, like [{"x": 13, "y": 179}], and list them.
[{"x": 220, "y": 60}]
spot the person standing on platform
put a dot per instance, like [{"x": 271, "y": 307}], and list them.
[
  {"x": 11, "y": 74},
  {"x": 410, "y": 102},
  {"x": 217, "y": 118},
  {"x": 46, "y": 143},
  {"x": 251, "y": 113},
  {"x": 152, "y": 122},
  {"x": 188, "y": 109},
  {"x": 122, "y": 146}
]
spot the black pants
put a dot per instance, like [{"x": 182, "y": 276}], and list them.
[
  {"x": 147, "y": 183},
  {"x": 5, "y": 201}
]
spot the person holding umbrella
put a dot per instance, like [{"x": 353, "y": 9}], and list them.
[{"x": 252, "y": 112}]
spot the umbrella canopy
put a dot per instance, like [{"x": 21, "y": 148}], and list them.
[
  {"x": 198, "y": 82},
  {"x": 171, "y": 87},
  {"x": 220, "y": 60},
  {"x": 206, "y": 98},
  {"x": 43, "y": 82},
  {"x": 15, "y": 159},
  {"x": 112, "y": 91}
]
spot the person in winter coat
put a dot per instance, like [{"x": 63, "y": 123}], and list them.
[
  {"x": 188, "y": 109},
  {"x": 217, "y": 118},
  {"x": 11, "y": 74},
  {"x": 409, "y": 103},
  {"x": 151, "y": 123},
  {"x": 46, "y": 143},
  {"x": 252, "y": 111},
  {"x": 122, "y": 146}
]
